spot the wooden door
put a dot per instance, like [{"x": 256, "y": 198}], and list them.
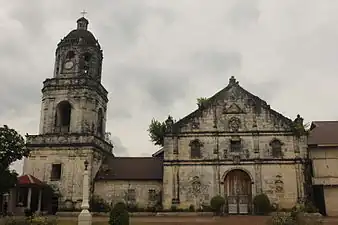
[{"x": 238, "y": 192}]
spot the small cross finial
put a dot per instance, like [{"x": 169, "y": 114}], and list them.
[{"x": 83, "y": 13}]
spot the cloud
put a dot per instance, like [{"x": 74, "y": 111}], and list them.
[
  {"x": 119, "y": 149},
  {"x": 159, "y": 56}
]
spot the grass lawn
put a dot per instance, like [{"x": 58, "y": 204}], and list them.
[{"x": 240, "y": 220}]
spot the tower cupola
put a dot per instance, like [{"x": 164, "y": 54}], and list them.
[{"x": 79, "y": 54}]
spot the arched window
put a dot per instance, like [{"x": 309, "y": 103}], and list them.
[
  {"x": 276, "y": 148},
  {"x": 195, "y": 149},
  {"x": 63, "y": 116},
  {"x": 100, "y": 122},
  {"x": 86, "y": 62},
  {"x": 70, "y": 55}
]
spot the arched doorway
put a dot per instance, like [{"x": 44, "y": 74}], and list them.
[{"x": 238, "y": 191}]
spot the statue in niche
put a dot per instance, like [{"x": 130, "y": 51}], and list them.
[
  {"x": 196, "y": 186},
  {"x": 279, "y": 184},
  {"x": 195, "y": 125},
  {"x": 234, "y": 124},
  {"x": 236, "y": 159}
]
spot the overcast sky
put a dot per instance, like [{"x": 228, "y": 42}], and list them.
[{"x": 159, "y": 56}]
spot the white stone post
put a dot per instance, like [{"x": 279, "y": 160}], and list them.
[
  {"x": 85, "y": 217},
  {"x": 40, "y": 201},
  {"x": 29, "y": 198}
]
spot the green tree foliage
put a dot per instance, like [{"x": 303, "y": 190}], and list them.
[
  {"x": 156, "y": 132},
  {"x": 12, "y": 148},
  {"x": 201, "y": 102}
]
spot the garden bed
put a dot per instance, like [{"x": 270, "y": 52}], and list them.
[{"x": 141, "y": 214}]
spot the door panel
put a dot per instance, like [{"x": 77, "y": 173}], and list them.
[{"x": 237, "y": 187}]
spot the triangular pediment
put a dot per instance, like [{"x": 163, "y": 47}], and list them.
[
  {"x": 233, "y": 109},
  {"x": 229, "y": 98}
]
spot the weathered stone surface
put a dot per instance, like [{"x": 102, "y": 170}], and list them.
[
  {"x": 233, "y": 113},
  {"x": 115, "y": 191}
]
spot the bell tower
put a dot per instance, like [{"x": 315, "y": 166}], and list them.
[{"x": 73, "y": 117}]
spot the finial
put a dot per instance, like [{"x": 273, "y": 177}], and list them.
[{"x": 232, "y": 80}]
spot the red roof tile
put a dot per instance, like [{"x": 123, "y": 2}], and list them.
[
  {"x": 28, "y": 179},
  {"x": 131, "y": 168}
]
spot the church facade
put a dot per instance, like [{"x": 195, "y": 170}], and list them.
[{"x": 233, "y": 145}]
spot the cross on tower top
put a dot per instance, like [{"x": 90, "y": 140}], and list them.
[{"x": 84, "y": 13}]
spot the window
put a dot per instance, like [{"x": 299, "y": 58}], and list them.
[
  {"x": 235, "y": 145},
  {"x": 70, "y": 55},
  {"x": 131, "y": 195},
  {"x": 56, "y": 172},
  {"x": 63, "y": 116},
  {"x": 276, "y": 148},
  {"x": 152, "y": 195},
  {"x": 195, "y": 149}
]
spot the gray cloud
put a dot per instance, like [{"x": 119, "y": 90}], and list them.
[
  {"x": 119, "y": 149},
  {"x": 217, "y": 61},
  {"x": 159, "y": 56}
]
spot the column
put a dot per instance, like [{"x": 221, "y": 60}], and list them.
[
  {"x": 85, "y": 217},
  {"x": 29, "y": 198},
  {"x": 40, "y": 199}
]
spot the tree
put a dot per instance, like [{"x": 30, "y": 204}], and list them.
[
  {"x": 157, "y": 131},
  {"x": 201, "y": 101},
  {"x": 12, "y": 148}
]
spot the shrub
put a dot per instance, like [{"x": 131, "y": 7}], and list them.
[
  {"x": 310, "y": 207},
  {"x": 37, "y": 220},
  {"x": 281, "y": 218},
  {"x": 262, "y": 205},
  {"x": 173, "y": 208},
  {"x": 98, "y": 204},
  {"x": 119, "y": 215},
  {"x": 217, "y": 203},
  {"x": 28, "y": 212},
  {"x": 191, "y": 208}
]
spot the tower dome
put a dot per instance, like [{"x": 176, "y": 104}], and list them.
[
  {"x": 79, "y": 53},
  {"x": 80, "y": 35}
]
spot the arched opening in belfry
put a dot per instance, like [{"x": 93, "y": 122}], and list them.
[
  {"x": 63, "y": 116},
  {"x": 86, "y": 62},
  {"x": 70, "y": 55},
  {"x": 100, "y": 119}
]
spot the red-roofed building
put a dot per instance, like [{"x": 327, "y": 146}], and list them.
[{"x": 30, "y": 192}]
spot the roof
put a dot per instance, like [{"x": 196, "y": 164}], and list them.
[
  {"x": 258, "y": 102},
  {"x": 323, "y": 133},
  {"x": 158, "y": 153},
  {"x": 131, "y": 168},
  {"x": 80, "y": 35},
  {"x": 74, "y": 37},
  {"x": 28, "y": 179}
]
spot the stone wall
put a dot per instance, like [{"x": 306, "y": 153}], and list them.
[
  {"x": 85, "y": 107},
  {"x": 115, "y": 191},
  {"x": 39, "y": 164},
  {"x": 278, "y": 181}
]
